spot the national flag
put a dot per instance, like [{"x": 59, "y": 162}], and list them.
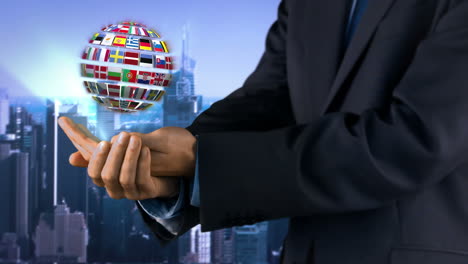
[
  {"x": 157, "y": 46},
  {"x": 144, "y": 106},
  {"x": 143, "y": 32},
  {"x": 102, "y": 88},
  {"x": 98, "y": 99},
  {"x": 110, "y": 28},
  {"x": 97, "y": 38},
  {"x": 124, "y": 29},
  {"x": 138, "y": 93},
  {"x": 108, "y": 39},
  {"x": 133, "y": 105},
  {"x": 114, "y": 103},
  {"x": 89, "y": 53},
  {"x": 145, "y": 77},
  {"x": 92, "y": 87},
  {"x": 162, "y": 79},
  {"x": 126, "y": 91},
  {"x": 124, "y": 104},
  {"x": 129, "y": 75},
  {"x": 160, "y": 62},
  {"x": 145, "y": 44},
  {"x": 133, "y": 30},
  {"x": 119, "y": 41},
  {"x": 102, "y": 54},
  {"x": 163, "y": 62},
  {"x": 169, "y": 64},
  {"x": 116, "y": 56},
  {"x": 133, "y": 23},
  {"x": 133, "y": 42},
  {"x": 146, "y": 60},
  {"x": 88, "y": 89},
  {"x": 116, "y": 28},
  {"x": 87, "y": 70},
  {"x": 114, "y": 73},
  {"x": 113, "y": 90},
  {"x": 152, "y": 33},
  {"x": 131, "y": 58},
  {"x": 152, "y": 95},
  {"x": 100, "y": 72}
]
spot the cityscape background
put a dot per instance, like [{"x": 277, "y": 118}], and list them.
[{"x": 50, "y": 211}]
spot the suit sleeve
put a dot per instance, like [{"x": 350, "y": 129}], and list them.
[
  {"x": 345, "y": 162},
  {"x": 262, "y": 103}
]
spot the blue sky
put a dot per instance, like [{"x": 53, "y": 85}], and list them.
[{"x": 43, "y": 40}]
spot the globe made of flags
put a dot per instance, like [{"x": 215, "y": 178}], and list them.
[{"x": 126, "y": 67}]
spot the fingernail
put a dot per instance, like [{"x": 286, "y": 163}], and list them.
[
  {"x": 101, "y": 145},
  {"x": 121, "y": 137}
]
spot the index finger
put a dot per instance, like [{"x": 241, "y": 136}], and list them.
[{"x": 82, "y": 142}]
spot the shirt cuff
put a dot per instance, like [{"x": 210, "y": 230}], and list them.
[{"x": 164, "y": 208}]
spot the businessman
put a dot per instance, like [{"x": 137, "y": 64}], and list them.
[{"x": 354, "y": 125}]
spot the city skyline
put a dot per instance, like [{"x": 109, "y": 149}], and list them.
[{"x": 56, "y": 214}]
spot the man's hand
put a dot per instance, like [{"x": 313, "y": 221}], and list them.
[{"x": 133, "y": 165}]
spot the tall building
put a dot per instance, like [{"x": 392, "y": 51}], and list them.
[
  {"x": 250, "y": 244},
  {"x": 4, "y": 110},
  {"x": 181, "y": 105},
  {"x": 105, "y": 123},
  {"x": 61, "y": 236},
  {"x": 47, "y": 193},
  {"x": 9, "y": 248},
  {"x": 72, "y": 182},
  {"x": 200, "y": 245},
  {"x": 222, "y": 246},
  {"x": 25, "y": 140}
]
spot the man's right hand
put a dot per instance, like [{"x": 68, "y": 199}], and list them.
[{"x": 122, "y": 166}]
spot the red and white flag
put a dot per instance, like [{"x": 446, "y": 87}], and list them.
[
  {"x": 131, "y": 58},
  {"x": 100, "y": 72},
  {"x": 113, "y": 90}
]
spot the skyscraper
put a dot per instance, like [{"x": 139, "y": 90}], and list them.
[
  {"x": 222, "y": 246},
  {"x": 200, "y": 245},
  {"x": 47, "y": 192},
  {"x": 105, "y": 123},
  {"x": 181, "y": 105},
  {"x": 61, "y": 236},
  {"x": 4, "y": 110},
  {"x": 250, "y": 244},
  {"x": 72, "y": 182}
]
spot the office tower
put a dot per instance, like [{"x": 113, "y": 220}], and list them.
[
  {"x": 105, "y": 123},
  {"x": 200, "y": 245},
  {"x": 72, "y": 182},
  {"x": 250, "y": 243},
  {"x": 61, "y": 236},
  {"x": 9, "y": 248},
  {"x": 4, "y": 111},
  {"x": 262, "y": 248},
  {"x": 222, "y": 246},
  {"x": 47, "y": 193},
  {"x": 181, "y": 105}
]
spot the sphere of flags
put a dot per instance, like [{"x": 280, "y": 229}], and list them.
[{"x": 126, "y": 67}]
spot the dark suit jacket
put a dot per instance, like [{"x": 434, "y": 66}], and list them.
[{"x": 365, "y": 151}]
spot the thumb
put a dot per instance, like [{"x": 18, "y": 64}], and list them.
[{"x": 77, "y": 160}]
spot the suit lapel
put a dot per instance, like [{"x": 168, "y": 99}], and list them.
[{"x": 366, "y": 28}]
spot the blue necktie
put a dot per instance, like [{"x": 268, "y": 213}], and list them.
[{"x": 356, "y": 12}]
